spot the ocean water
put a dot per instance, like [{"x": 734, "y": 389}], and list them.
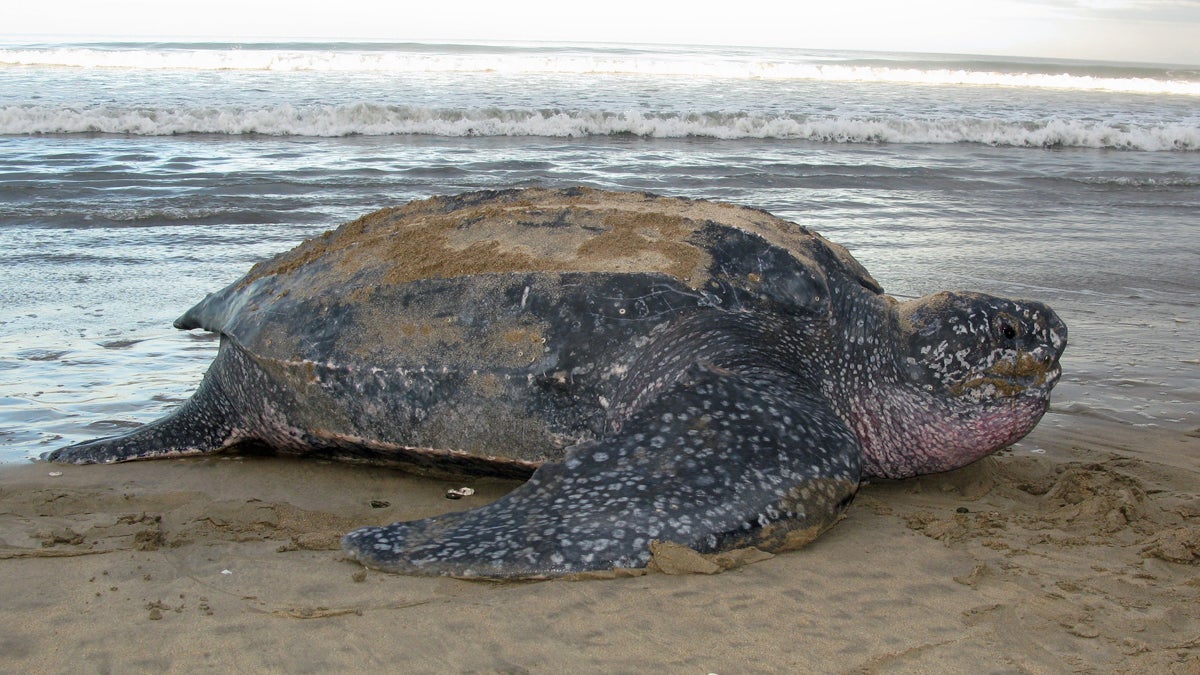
[{"x": 135, "y": 178}]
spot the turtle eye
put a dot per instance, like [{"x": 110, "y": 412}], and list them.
[{"x": 1007, "y": 327}]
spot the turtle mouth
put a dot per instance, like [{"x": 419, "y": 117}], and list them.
[
  {"x": 1028, "y": 375},
  {"x": 1036, "y": 384}
]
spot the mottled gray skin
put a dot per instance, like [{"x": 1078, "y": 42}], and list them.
[{"x": 666, "y": 369}]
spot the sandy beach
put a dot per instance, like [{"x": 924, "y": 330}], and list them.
[{"x": 1075, "y": 551}]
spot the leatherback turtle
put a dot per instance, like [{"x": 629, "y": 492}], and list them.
[{"x": 667, "y": 369}]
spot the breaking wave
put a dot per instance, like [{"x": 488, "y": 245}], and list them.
[{"x": 370, "y": 119}]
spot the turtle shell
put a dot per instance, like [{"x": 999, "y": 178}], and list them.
[
  {"x": 353, "y": 293},
  {"x": 505, "y": 322}
]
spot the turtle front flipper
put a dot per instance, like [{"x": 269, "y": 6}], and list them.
[{"x": 718, "y": 461}]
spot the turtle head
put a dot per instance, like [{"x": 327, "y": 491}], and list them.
[
  {"x": 979, "y": 348},
  {"x": 980, "y": 369}
]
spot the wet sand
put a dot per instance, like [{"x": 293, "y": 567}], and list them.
[{"x": 1081, "y": 558}]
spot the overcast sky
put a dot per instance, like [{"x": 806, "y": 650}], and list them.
[{"x": 1164, "y": 31}]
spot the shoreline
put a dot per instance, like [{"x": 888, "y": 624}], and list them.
[{"x": 1083, "y": 557}]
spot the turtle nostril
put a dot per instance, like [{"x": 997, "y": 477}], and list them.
[{"x": 1046, "y": 355}]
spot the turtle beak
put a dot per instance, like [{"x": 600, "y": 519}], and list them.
[
  {"x": 1035, "y": 365},
  {"x": 1058, "y": 333},
  {"x": 1053, "y": 345}
]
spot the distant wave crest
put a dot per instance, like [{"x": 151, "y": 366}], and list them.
[
  {"x": 532, "y": 62},
  {"x": 369, "y": 119}
]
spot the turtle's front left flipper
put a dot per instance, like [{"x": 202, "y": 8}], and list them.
[{"x": 718, "y": 461}]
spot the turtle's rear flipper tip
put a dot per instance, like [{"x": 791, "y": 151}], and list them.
[
  {"x": 195, "y": 428},
  {"x": 112, "y": 449},
  {"x": 97, "y": 451},
  {"x": 207, "y": 422}
]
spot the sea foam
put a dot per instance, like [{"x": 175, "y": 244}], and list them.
[
  {"x": 725, "y": 64},
  {"x": 369, "y": 119}
]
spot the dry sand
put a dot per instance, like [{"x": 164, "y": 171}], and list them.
[{"x": 1081, "y": 558}]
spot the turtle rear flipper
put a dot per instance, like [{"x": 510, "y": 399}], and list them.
[
  {"x": 207, "y": 422},
  {"x": 718, "y": 461}
]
